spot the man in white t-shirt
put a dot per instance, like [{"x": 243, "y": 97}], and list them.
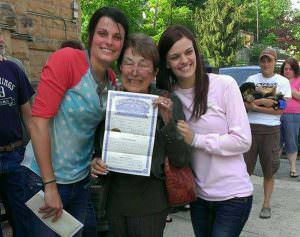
[{"x": 264, "y": 117}]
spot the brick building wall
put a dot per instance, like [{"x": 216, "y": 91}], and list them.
[{"x": 35, "y": 28}]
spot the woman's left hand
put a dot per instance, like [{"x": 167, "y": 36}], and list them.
[
  {"x": 98, "y": 167},
  {"x": 165, "y": 106},
  {"x": 185, "y": 130}
]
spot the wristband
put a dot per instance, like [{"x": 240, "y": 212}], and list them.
[{"x": 49, "y": 182}]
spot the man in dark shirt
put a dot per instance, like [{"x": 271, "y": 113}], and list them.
[
  {"x": 15, "y": 93},
  {"x": 3, "y": 53}
]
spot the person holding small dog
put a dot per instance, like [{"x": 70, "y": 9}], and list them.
[{"x": 264, "y": 120}]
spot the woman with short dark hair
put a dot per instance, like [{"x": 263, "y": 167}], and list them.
[
  {"x": 290, "y": 120},
  {"x": 69, "y": 104}
]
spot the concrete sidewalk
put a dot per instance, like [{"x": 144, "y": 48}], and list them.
[
  {"x": 285, "y": 220},
  {"x": 285, "y": 204}
]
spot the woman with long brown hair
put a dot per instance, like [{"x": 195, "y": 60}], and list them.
[{"x": 218, "y": 130}]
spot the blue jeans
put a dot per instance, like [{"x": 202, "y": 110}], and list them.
[
  {"x": 74, "y": 198},
  {"x": 289, "y": 128},
  {"x": 90, "y": 225},
  {"x": 12, "y": 191},
  {"x": 220, "y": 218}
]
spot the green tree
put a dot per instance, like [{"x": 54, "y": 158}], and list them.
[
  {"x": 218, "y": 26},
  {"x": 163, "y": 13},
  {"x": 148, "y": 16},
  {"x": 192, "y": 4},
  {"x": 271, "y": 15},
  {"x": 278, "y": 25},
  {"x": 288, "y": 35},
  {"x": 133, "y": 9}
]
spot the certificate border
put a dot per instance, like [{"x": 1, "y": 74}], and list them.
[{"x": 111, "y": 95}]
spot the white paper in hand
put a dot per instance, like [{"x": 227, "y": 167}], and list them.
[{"x": 65, "y": 226}]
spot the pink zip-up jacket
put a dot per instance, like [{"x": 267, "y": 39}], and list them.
[{"x": 221, "y": 137}]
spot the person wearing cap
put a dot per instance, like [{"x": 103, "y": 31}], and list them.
[{"x": 264, "y": 118}]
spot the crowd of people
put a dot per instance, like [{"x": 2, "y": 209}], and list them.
[{"x": 202, "y": 123}]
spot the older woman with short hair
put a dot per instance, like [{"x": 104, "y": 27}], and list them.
[{"x": 137, "y": 205}]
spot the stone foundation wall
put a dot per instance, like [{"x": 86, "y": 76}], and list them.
[{"x": 33, "y": 29}]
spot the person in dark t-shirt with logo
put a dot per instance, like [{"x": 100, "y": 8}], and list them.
[{"x": 15, "y": 93}]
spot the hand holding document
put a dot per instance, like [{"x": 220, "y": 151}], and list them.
[
  {"x": 130, "y": 127},
  {"x": 65, "y": 226}
]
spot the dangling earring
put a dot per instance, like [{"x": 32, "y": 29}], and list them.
[{"x": 171, "y": 81}]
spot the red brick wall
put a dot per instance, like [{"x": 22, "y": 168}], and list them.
[{"x": 38, "y": 30}]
